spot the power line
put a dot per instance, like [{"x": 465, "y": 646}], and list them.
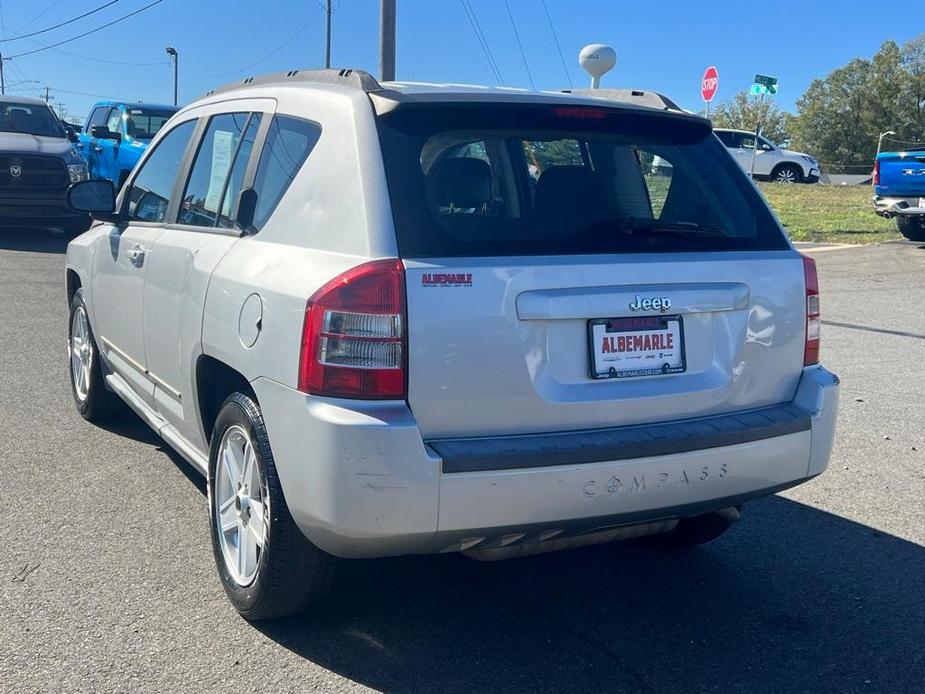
[
  {"x": 271, "y": 53},
  {"x": 87, "y": 33},
  {"x": 483, "y": 42},
  {"x": 555, "y": 37},
  {"x": 519, "y": 45},
  {"x": 41, "y": 14},
  {"x": 59, "y": 25}
]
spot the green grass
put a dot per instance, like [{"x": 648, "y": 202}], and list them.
[{"x": 832, "y": 214}]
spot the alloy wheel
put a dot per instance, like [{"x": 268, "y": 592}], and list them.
[
  {"x": 241, "y": 512},
  {"x": 80, "y": 348}
]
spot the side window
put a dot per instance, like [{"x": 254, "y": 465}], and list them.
[
  {"x": 289, "y": 142},
  {"x": 218, "y": 171},
  {"x": 99, "y": 117},
  {"x": 151, "y": 189},
  {"x": 746, "y": 141},
  {"x": 542, "y": 154},
  {"x": 657, "y": 173},
  {"x": 726, "y": 138},
  {"x": 114, "y": 122}
]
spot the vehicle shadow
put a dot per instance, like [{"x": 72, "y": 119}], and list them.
[
  {"x": 129, "y": 425},
  {"x": 793, "y": 599},
  {"x": 34, "y": 239}
]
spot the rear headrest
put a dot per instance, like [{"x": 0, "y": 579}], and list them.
[
  {"x": 569, "y": 197},
  {"x": 460, "y": 182}
]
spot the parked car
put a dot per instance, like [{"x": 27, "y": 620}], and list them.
[
  {"x": 116, "y": 135},
  {"x": 899, "y": 190},
  {"x": 37, "y": 164},
  {"x": 772, "y": 163},
  {"x": 346, "y": 305}
]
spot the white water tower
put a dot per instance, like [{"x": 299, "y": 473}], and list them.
[{"x": 597, "y": 60}]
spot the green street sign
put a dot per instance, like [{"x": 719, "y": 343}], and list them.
[
  {"x": 766, "y": 80},
  {"x": 758, "y": 90}
]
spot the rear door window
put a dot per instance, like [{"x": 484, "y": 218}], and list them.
[
  {"x": 289, "y": 142},
  {"x": 114, "y": 122},
  {"x": 218, "y": 170},
  {"x": 515, "y": 180}
]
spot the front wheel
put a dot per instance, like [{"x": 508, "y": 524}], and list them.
[
  {"x": 93, "y": 401},
  {"x": 911, "y": 226},
  {"x": 787, "y": 173},
  {"x": 267, "y": 567}
]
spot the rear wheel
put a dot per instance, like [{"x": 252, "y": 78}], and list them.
[
  {"x": 93, "y": 401},
  {"x": 911, "y": 226},
  {"x": 787, "y": 173},
  {"x": 267, "y": 567},
  {"x": 698, "y": 530}
]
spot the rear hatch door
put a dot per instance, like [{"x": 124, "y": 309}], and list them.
[{"x": 557, "y": 280}]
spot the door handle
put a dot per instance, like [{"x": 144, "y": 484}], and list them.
[
  {"x": 136, "y": 256},
  {"x": 97, "y": 149}
]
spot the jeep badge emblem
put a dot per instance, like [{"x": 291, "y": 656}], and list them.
[
  {"x": 656, "y": 303},
  {"x": 15, "y": 171}
]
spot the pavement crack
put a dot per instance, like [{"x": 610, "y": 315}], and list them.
[{"x": 25, "y": 572}]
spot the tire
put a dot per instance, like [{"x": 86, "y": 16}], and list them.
[
  {"x": 283, "y": 573},
  {"x": 911, "y": 226},
  {"x": 94, "y": 402},
  {"x": 787, "y": 173},
  {"x": 699, "y": 530}
]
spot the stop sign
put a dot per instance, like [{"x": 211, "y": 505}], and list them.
[{"x": 709, "y": 83}]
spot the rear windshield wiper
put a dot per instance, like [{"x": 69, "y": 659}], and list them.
[{"x": 657, "y": 227}]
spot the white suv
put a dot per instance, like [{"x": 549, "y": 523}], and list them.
[
  {"x": 772, "y": 163},
  {"x": 397, "y": 318}
]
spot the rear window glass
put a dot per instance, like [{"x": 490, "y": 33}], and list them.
[
  {"x": 473, "y": 180},
  {"x": 143, "y": 123}
]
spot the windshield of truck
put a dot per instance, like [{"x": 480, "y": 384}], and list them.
[
  {"x": 29, "y": 119},
  {"x": 143, "y": 123},
  {"x": 505, "y": 180}
]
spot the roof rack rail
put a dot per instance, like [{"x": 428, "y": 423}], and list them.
[
  {"x": 347, "y": 77},
  {"x": 631, "y": 96}
]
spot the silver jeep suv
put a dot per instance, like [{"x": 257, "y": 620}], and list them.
[{"x": 397, "y": 318}]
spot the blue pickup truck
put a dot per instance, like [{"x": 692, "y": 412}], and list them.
[
  {"x": 899, "y": 190},
  {"x": 116, "y": 135}
]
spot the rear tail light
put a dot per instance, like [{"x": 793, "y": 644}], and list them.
[
  {"x": 877, "y": 172},
  {"x": 813, "y": 319},
  {"x": 353, "y": 338}
]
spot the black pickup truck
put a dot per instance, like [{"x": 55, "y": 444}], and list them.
[{"x": 38, "y": 162}]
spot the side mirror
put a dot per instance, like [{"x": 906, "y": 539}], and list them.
[
  {"x": 766, "y": 147},
  {"x": 96, "y": 197},
  {"x": 101, "y": 132},
  {"x": 247, "y": 208}
]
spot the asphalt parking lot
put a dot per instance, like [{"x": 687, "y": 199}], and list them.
[{"x": 107, "y": 581}]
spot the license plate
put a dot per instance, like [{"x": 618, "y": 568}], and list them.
[{"x": 630, "y": 347}]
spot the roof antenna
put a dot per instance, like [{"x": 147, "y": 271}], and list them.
[{"x": 597, "y": 60}]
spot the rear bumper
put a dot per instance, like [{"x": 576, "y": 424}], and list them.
[
  {"x": 894, "y": 206},
  {"x": 360, "y": 481}
]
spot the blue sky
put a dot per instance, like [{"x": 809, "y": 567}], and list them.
[{"x": 663, "y": 45}]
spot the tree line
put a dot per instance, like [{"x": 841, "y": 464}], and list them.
[{"x": 840, "y": 117}]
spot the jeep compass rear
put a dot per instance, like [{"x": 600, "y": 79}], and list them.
[{"x": 433, "y": 318}]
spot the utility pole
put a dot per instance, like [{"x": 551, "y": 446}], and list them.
[
  {"x": 387, "y": 40},
  {"x": 46, "y": 94},
  {"x": 2, "y": 82},
  {"x": 327, "y": 42},
  {"x": 172, "y": 52}
]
